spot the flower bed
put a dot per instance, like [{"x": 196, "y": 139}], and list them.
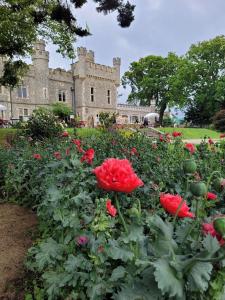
[{"x": 123, "y": 217}]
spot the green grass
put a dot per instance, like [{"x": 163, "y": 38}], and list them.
[
  {"x": 193, "y": 133},
  {"x": 4, "y": 132},
  {"x": 85, "y": 132}
]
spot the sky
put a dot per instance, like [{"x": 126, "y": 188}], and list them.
[{"x": 160, "y": 26}]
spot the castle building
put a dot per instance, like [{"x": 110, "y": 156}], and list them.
[{"x": 88, "y": 88}]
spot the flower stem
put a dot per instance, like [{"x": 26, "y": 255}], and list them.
[
  {"x": 120, "y": 214},
  {"x": 180, "y": 205}
]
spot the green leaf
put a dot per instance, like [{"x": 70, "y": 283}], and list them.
[
  {"x": 211, "y": 244},
  {"x": 118, "y": 273},
  {"x": 50, "y": 252},
  {"x": 74, "y": 263},
  {"x": 167, "y": 279},
  {"x": 115, "y": 251},
  {"x": 199, "y": 276},
  {"x": 135, "y": 234}
]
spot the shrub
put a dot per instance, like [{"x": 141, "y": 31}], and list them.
[
  {"x": 107, "y": 119},
  {"x": 43, "y": 124},
  {"x": 167, "y": 122},
  {"x": 219, "y": 120},
  {"x": 61, "y": 110}
]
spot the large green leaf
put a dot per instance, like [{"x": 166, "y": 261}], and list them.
[
  {"x": 199, "y": 276},
  {"x": 211, "y": 244},
  {"x": 168, "y": 279},
  {"x": 115, "y": 251},
  {"x": 50, "y": 252},
  {"x": 118, "y": 273}
]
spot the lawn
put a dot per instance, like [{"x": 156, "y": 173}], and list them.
[
  {"x": 193, "y": 133},
  {"x": 4, "y": 132}
]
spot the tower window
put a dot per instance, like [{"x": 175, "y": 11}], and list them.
[
  {"x": 22, "y": 92},
  {"x": 92, "y": 94},
  {"x": 45, "y": 93},
  {"x": 109, "y": 96},
  {"x": 62, "y": 96}
]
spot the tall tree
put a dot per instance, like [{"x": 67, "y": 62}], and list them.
[
  {"x": 156, "y": 77},
  {"x": 206, "y": 79},
  {"x": 23, "y": 21}
]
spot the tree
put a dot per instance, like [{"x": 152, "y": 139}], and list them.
[
  {"x": 61, "y": 110},
  {"x": 206, "y": 80},
  {"x": 23, "y": 21},
  {"x": 156, "y": 77}
]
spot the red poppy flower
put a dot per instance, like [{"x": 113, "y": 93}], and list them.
[
  {"x": 208, "y": 228},
  {"x": 210, "y": 141},
  {"x": 57, "y": 155},
  {"x": 176, "y": 134},
  {"x": 88, "y": 156},
  {"x": 171, "y": 203},
  {"x": 37, "y": 156},
  {"x": 78, "y": 144},
  {"x": 65, "y": 134},
  {"x": 211, "y": 196},
  {"x": 161, "y": 138},
  {"x": 117, "y": 175},
  {"x": 110, "y": 208},
  {"x": 134, "y": 151},
  {"x": 190, "y": 147},
  {"x": 222, "y": 135}
]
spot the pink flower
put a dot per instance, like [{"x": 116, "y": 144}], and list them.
[
  {"x": 110, "y": 208},
  {"x": 57, "y": 155},
  {"x": 37, "y": 156},
  {"x": 222, "y": 135},
  {"x": 176, "y": 134},
  {"x": 82, "y": 240},
  {"x": 65, "y": 134},
  {"x": 134, "y": 151},
  {"x": 190, "y": 147},
  {"x": 208, "y": 228},
  {"x": 88, "y": 156},
  {"x": 211, "y": 196}
]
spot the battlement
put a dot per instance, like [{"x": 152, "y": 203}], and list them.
[
  {"x": 116, "y": 61},
  {"x": 60, "y": 72},
  {"x": 83, "y": 53}
]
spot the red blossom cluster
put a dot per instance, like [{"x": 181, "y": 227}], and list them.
[
  {"x": 211, "y": 196},
  {"x": 37, "y": 156},
  {"x": 65, "y": 134},
  {"x": 117, "y": 175},
  {"x": 171, "y": 203},
  {"x": 176, "y": 134},
  {"x": 112, "y": 211},
  {"x": 190, "y": 147},
  {"x": 88, "y": 156}
]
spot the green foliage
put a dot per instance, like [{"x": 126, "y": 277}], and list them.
[
  {"x": 43, "y": 124},
  {"x": 107, "y": 119},
  {"x": 61, "y": 110},
  {"x": 219, "y": 120},
  {"x": 154, "y": 258},
  {"x": 156, "y": 77}
]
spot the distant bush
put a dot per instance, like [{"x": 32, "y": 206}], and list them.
[
  {"x": 43, "y": 124},
  {"x": 219, "y": 120},
  {"x": 61, "y": 110}
]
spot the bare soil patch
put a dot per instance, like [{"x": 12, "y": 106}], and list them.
[{"x": 16, "y": 227}]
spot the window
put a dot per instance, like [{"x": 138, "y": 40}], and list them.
[
  {"x": 25, "y": 112},
  {"x": 45, "y": 93},
  {"x": 62, "y": 96},
  {"x": 109, "y": 96},
  {"x": 22, "y": 92},
  {"x": 92, "y": 94}
]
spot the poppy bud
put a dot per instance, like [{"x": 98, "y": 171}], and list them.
[
  {"x": 218, "y": 184},
  {"x": 134, "y": 212},
  {"x": 198, "y": 188},
  {"x": 189, "y": 166},
  {"x": 219, "y": 225}
]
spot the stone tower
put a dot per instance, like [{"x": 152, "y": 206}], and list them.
[
  {"x": 40, "y": 59},
  {"x": 95, "y": 85}
]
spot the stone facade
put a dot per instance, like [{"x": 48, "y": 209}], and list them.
[{"x": 88, "y": 88}]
